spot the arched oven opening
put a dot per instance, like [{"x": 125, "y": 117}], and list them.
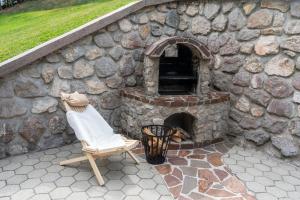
[{"x": 178, "y": 71}]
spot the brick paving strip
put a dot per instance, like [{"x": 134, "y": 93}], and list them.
[
  {"x": 200, "y": 174},
  {"x": 268, "y": 178}
]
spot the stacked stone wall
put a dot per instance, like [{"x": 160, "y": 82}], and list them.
[{"x": 256, "y": 45}]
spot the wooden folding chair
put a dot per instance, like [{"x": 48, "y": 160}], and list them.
[{"x": 91, "y": 154}]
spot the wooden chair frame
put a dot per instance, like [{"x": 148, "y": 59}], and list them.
[{"x": 91, "y": 154}]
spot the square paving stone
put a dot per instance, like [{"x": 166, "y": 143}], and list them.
[
  {"x": 131, "y": 179},
  {"x": 64, "y": 181},
  {"x": 96, "y": 191},
  {"x": 60, "y": 193},
  {"x": 264, "y": 181},
  {"x": 23, "y": 194},
  {"x": 284, "y": 186},
  {"x": 294, "y": 195},
  {"x": 9, "y": 190},
  {"x": 16, "y": 179},
  {"x": 114, "y": 175},
  {"x": 68, "y": 172},
  {"x": 291, "y": 180},
  {"x": 5, "y": 175},
  {"x": 133, "y": 198},
  {"x": 24, "y": 170},
  {"x": 255, "y": 187},
  {"x": 145, "y": 174},
  {"x": 36, "y": 173},
  {"x": 114, "y": 184},
  {"x": 41, "y": 197},
  {"x": 147, "y": 184},
  {"x": 50, "y": 177},
  {"x": 265, "y": 196},
  {"x": 273, "y": 176},
  {"x": 79, "y": 186},
  {"x": 11, "y": 166},
  {"x": 114, "y": 195},
  {"x": 78, "y": 195},
  {"x": 277, "y": 192},
  {"x": 131, "y": 189},
  {"x": 83, "y": 176},
  {"x": 149, "y": 195},
  {"x": 44, "y": 188},
  {"x": 30, "y": 183},
  {"x": 31, "y": 161}
]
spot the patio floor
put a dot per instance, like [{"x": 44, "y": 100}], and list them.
[
  {"x": 38, "y": 176},
  {"x": 188, "y": 174}
]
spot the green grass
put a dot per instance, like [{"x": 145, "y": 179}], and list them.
[{"x": 34, "y": 22}]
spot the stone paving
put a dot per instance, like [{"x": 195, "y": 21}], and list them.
[
  {"x": 268, "y": 178},
  {"x": 199, "y": 174},
  {"x": 38, "y": 176},
  {"x": 188, "y": 174}
]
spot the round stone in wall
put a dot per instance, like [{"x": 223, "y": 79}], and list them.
[
  {"x": 104, "y": 40},
  {"x": 94, "y": 52},
  {"x": 296, "y": 82},
  {"x": 260, "y": 19},
  {"x": 105, "y": 67},
  {"x": 57, "y": 124},
  {"x": 211, "y": 9},
  {"x": 32, "y": 130},
  {"x": 44, "y": 104},
  {"x": 127, "y": 66},
  {"x": 191, "y": 10},
  {"x": 282, "y": 108},
  {"x": 82, "y": 69},
  {"x": 132, "y": 41},
  {"x": 243, "y": 104},
  {"x": 253, "y": 64},
  {"x": 125, "y": 25},
  {"x": 95, "y": 86},
  {"x": 219, "y": 23},
  {"x": 286, "y": 145},
  {"x": 236, "y": 20},
  {"x": 266, "y": 45},
  {"x": 65, "y": 72},
  {"x": 280, "y": 65},
  {"x": 295, "y": 9},
  {"x": 48, "y": 73},
  {"x": 291, "y": 43},
  {"x": 292, "y": 27},
  {"x": 200, "y": 25},
  {"x": 110, "y": 100},
  {"x": 172, "y": 19},
  {"x": 258, "y": 137},
  {"x": 278, "y": 87}
]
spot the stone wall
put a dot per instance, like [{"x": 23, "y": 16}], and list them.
[{"x": 256, "y": 46}]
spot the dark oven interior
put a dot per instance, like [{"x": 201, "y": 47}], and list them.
[{"x": 177, "y": 73}]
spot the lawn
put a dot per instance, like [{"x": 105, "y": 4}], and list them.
[{"x": 34, "y": 22}]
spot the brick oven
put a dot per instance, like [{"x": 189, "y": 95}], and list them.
[{"x": 176, "y": 92}]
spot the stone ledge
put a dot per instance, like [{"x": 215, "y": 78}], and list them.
[{"x": 174, "y": 101}]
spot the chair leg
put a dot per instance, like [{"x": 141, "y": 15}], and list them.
[
  {"x": 133, "y": 156},
  {"x": 73, "y": 160},
  {"x": 95, "y": 169}
]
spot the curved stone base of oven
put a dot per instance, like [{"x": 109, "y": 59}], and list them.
[{"x": 209, "y": 113}]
